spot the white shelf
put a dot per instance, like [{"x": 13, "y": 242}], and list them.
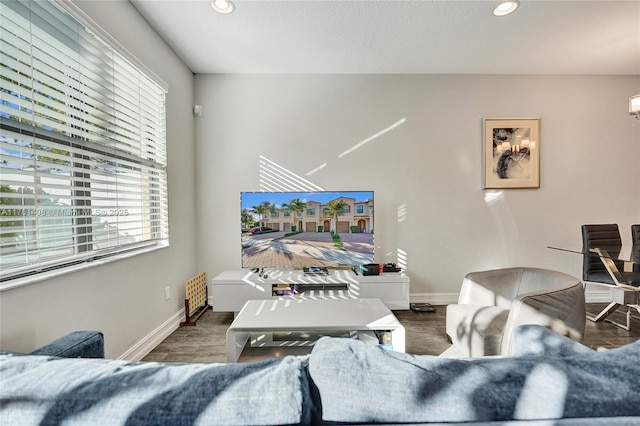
[{"x": 230, "y": 290}]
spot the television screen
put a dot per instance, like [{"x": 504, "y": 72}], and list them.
[{"x": 306, "y": 229}]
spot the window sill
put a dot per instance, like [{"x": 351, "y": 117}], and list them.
[{"x": 32, "y": 279}]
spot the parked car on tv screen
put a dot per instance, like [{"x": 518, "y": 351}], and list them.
[{"x": 260, "y": 229}]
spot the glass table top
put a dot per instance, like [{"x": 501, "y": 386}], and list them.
[{"x": 628, "y": 254}]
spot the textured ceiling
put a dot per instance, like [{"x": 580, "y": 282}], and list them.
[{"x": 401, "y": 37}]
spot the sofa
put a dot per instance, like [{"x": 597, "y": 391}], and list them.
[
  {"x": 492, "y": 303},
  {"x": 77, "y": 344},
  {"x": 548, "y": 380}
]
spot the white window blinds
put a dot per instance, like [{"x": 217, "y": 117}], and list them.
[{"x": 82, "y": 145}]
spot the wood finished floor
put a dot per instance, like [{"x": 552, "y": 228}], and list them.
[{"x": 425, "y": 335}]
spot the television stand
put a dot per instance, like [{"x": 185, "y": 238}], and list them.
[{"x": 230, "y": 290}]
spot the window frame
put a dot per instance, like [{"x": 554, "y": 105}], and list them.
[{"x": 46, "y": 269}]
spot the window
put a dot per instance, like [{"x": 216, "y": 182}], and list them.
[
  {"x": 360, "y": 209},
  {"x": 82, "y": 173},
  {"x": 311, "y": 212},
  {"x": 274, "y": 214},
  {"x": 287, "y": 213}
]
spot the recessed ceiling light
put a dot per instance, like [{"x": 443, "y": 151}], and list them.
[
  {"x": 506, "y": 7},
  {"x": 222, "y": 6}
]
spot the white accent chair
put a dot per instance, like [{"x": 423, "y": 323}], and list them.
[{"x": 492, "y": 303}]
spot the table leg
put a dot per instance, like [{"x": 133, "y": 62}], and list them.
[
  {"x": 236, "y": 341},
  {"x": 398, "y": 339}
]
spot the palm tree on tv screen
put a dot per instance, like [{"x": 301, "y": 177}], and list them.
[
  {"x": 262, "y": 209},
  {"x": 294, "y": 206},
  {"x": 246, "y": 218},
  {"x": 335, "y": 209}
]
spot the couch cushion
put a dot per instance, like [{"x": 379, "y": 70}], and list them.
[
  {"x": 361, "y": 383},
  {"x": 45, "y": 390}
]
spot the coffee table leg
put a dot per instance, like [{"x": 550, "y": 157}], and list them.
[
  {"x": 398, "y": 339},
  {"x": 236, "y": 341}
]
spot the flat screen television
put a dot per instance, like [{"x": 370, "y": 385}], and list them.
[{"x": 332, "y": 229}]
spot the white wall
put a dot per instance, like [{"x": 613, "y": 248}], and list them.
[
  {"x": 124, "y": 299},
  {"x": 426, "y": 172}
]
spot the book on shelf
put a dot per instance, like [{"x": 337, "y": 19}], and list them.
[
  {"x": 283, "y": 289},
  {"x": 282, "y": 285}
]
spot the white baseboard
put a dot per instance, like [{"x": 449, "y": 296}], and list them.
[
  {"x": 434, "y": 298},
  {"x": 153, "y": 339}
]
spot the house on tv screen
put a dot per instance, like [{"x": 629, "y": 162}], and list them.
[{"x": 312, "y": 216}]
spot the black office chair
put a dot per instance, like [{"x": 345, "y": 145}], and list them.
[
  {"x": 635, "y": 250},
  {"x": 603, "y": 268},
  {"x": 606, "y": 237}
]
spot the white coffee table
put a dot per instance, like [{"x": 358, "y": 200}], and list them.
[{"x": 300, "y": 315}]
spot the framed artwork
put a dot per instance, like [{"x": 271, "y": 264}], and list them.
[{"x": 511, "y": 153}]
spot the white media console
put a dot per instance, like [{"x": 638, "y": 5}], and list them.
[{"x": 229, "y": 291}]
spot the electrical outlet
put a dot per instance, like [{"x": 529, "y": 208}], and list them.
[{"x": 167, "y": 293}]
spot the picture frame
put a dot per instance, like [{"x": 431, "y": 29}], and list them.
[{"x": 511, "y": 151}]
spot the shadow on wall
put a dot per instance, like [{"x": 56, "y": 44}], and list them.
[{"x": 505, "y": 224}]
